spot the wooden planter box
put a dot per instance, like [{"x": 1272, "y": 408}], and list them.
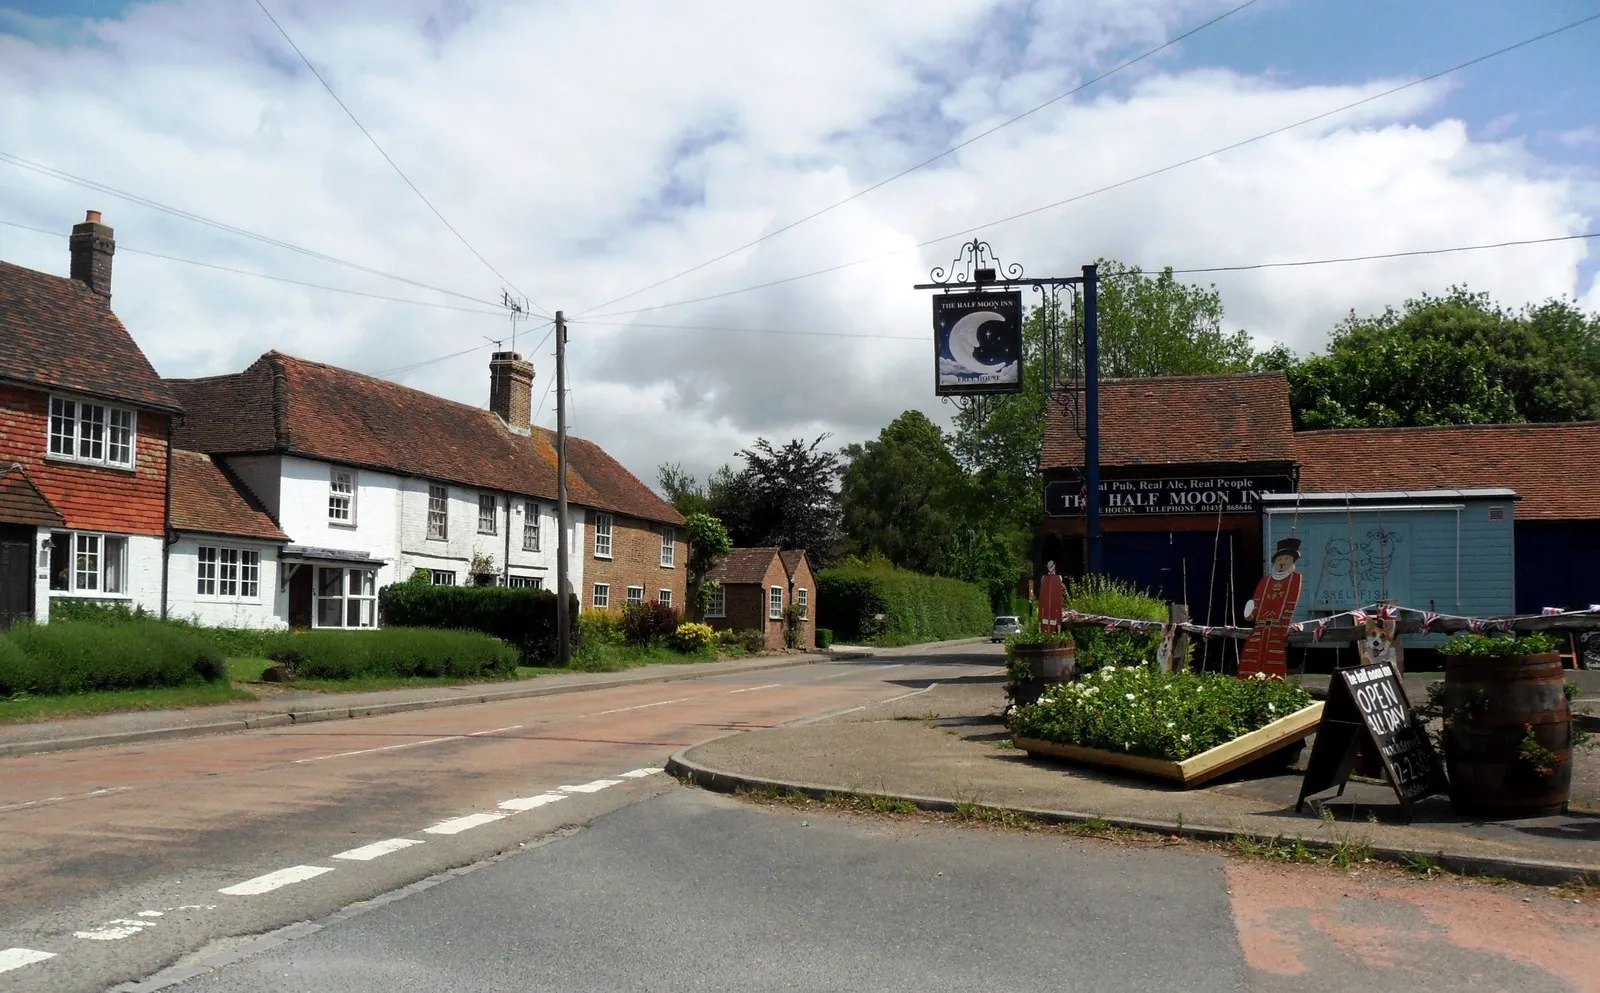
[{"x": 1196, "y": 769}]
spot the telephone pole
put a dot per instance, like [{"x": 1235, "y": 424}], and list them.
[{"x": 563, "y": 587}]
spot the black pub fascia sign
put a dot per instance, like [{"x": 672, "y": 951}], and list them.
[{"x": 1200, "y": 494}]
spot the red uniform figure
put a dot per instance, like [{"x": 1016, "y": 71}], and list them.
[
  {"x": 1050, "y": 599},
  {"x": 1271, "y": 609}
]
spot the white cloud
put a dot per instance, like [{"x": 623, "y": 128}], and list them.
[{"x": 590, "y": 149}]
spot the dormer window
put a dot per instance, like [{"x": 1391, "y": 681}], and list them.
[{"x": 94, "y": 433}]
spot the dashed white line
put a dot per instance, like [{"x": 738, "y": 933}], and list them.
[
  {"x": 641, "y": 773},
  {"x": 752, "y": 689},
  {"x": 594, "y": 787},
  {"x": 150, "y": 913},
  {"x": 642, "y": 706},
  {"x": 406, "y": 744},
  {"x": 531, "y": 802},
  {"x": 378, "y": 849},
  {"x": 274, "y": 880},
  {"x": 16, "y": 958},
  {"x": 456, "y": 825},
  {"x": 114, "y": 930},
  {"x": 508, "y": 727}
]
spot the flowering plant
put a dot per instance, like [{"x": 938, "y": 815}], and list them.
[{"x": 1144, "y": 711}]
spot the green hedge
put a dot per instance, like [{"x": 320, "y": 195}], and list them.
[
  {"x": 229, "y": 642},
  {"x": 525, "y": 618},
  {"x": 914, "y": 607},
  {"x": 398, "y": 651},
  {"x": 83, "y": 656}
]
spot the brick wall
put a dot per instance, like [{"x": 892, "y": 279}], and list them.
[
  {"x": 635, "y": 561},
  {"x": 747, "y": 607},
  {"x": 804, "y": 580},
  {"x": 89, "y": 497}
]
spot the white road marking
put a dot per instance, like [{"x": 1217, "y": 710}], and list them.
[
  {"x": 366, "y": 853},
  {"x": 407, "y": 744},
  {"x": 274, "y": 880},
  {"x": 16, "y": 958},
  {"x": 59, "y": 799},
  {"x": 863, "y": 668},
  {"x": 531, "y": 802},
  {"x": 151, "y": 913},
  {"x": 642, "y": 706},
  {"x": 511, "y": 727},
  {"x": 752, "y": 689},
  {"x": 594, "y": 787},
  {"x": 198, "y": 906},
  {"x": 641, "y": 773},
  {"x": 456, "y": 825},
  {"x": 114, "y": 930}
]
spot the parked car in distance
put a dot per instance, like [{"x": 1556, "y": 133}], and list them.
[{"x": 1005, "y": 626}]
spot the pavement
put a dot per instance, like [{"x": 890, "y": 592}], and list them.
[{"x": 945, "y": 745}]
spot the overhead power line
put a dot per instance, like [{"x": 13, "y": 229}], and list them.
[
  {"x": 187, "y": 215},
  {"x": 456, "y": 355},
  {"x": 1391, "y": 255},
  {"x": 931, "y": 159},
  {"x": 701, "y": 327},
  {"x": 392, "y": 164},
  {"x": 1117, "y": 185}
]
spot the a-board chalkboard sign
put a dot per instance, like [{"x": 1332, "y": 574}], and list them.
[
  {"x": 1369, "y": 701},
  {"x": 1589, "y": 650}
]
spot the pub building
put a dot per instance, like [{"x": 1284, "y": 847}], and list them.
[{"x": 1201, "y": 476}]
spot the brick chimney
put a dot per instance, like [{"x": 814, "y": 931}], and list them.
[
  {"x": 92, "y": 247},
  {"x": 511, "y": 390}
]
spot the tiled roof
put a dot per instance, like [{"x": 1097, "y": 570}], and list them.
[
  {"x": 1180, "y": 419},
  {"x": 22, "y": 503},
  {"x": 208, "y": 500},
  {"x": 1555, "y": 468},
  {"x": 743, "y": 565},
  {"x": 791, "y": 560},
  {"x": 56, "y": 332},
  {"x": 290, "y": 405}
]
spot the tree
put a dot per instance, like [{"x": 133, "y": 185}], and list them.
[
  {"x": 902, "y": 495},
  {"x": 1154, "y": 325},
  {"x": 784, "y": 497},
  {"x": 1454, "y": 359},
  {"x": 708, "y": 542},
  {"x": 681, "y": 489}
]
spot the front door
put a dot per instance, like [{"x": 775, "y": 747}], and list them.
[
  {"x": 16, "y": 574},
  {"x": 299, "y": 596}
]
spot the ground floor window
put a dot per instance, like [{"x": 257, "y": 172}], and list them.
[
  {"x": 636, "y": 594},
  {"x": 525, "y": 582},
  {"x": 775, "y": 603},
  {"x": 665, "y": 597},
  {"x": 602, "y": 596},
  {"x": 719, "y": 603},
  {"x": 802, "y": 601},
  {"x": 228, "y": 573},
  {"x": 442, "y": 577},
  {"x": 83, "y": 562},
  {"x": 347, "y": 598}
]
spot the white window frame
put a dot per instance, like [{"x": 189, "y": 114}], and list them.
[
  {"x": 525, "y": 582},
  {"x": 775, "y": 603},
  {"x": 664, "y": 597},
  {"x": 92, "y": 548},
  {"x": 72, "y": 435},
  {"x": 669, "y": 547},
  {"x": 803, "y": 601},
  {"x": 718, "y": 607},
  {"x": 441, "y": 577},
  {"x": 603, "y": 526},
  {"x": 635, "y": 599},
  {"x": 438, "y": 512},
  {"x": 363, "y": 580},
  {"x": 336, "y": 478},
  {"x": 600, "y": 596},
  {"x": 530, "y": 526},
  {"x": 228, "y": 573},
  {"x": 493, "y": 520}
]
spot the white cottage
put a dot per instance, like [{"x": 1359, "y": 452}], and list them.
[{"x": 223, "y": 567}]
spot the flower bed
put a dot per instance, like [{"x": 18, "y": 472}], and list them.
[{"x": 1137, "y": 710}]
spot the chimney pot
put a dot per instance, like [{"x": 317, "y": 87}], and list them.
[
  {"x": 511, "y": 390},
  {"x": 92, "y": 246},
  {"x": 92, "y": 217}
]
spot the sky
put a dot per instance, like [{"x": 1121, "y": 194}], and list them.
[{"x": 587, "y": 150}]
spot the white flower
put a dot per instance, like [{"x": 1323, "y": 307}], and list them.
[
  {"x": 1170, "y": 725},
  {"x": 1127, "y": 746},
  {"x": 1272, "y": 709},
  {"x": 1128, "y": 696},
  {"x": 1184, "y": 738}
]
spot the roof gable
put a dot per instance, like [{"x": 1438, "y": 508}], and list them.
[
  {"x": 1167, "y": 420},
  {"x": 22, "y": 503},
  {"x": 56, "y": 333},
  {"x": 743, "y": 565}
]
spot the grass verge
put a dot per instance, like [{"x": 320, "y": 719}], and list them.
[{"x": 22, "y": 708}]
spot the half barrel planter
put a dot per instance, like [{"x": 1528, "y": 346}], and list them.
[
  {"x": 1048, "y": 665},
  {"x": 1492, "y": 702},
  {"x": 1196, "y": 769}
]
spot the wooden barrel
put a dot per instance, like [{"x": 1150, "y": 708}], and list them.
[
  {"x": 1491, "y": 705},
  {"x": 1047, "y": 666}
]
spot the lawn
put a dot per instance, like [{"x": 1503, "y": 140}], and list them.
[{"x": 22, "y": 708}]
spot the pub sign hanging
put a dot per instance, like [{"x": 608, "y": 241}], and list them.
[{"x": 977, "y": 343}]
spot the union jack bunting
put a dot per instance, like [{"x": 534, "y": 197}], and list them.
[
  {"x": 1475, "y": 624},
  {"x": 1428, "y": 617},
  {"x": 1551, "y": 611},
  {"x": 1389, "y": 612},
  {"x": 1317, "y": 634},
  {"x": 1359, "y": 616}
]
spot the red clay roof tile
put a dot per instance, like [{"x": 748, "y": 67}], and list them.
[
  {"x": 743, "y": 565},
  {"x": 22, "y": 503},
  {"x": 208, "y": 500}
]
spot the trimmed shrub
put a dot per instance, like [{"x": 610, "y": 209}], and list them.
[
  {"x": 600, "y": 627},
  {"x": 889, "y": 606},
  {"x": 525, "y": 618},
  {"x": 84, "y": 656},
  {"x": 691, "y": 638},
  {"x": 399, "y": 652},
  {"x": 229, "y": 642},
  {"x": 824, "y": 638}
]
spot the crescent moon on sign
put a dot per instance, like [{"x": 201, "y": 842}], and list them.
[{"x": 964, "y": 340}]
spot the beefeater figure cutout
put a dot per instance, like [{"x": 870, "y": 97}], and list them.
[
  {"x": 1050, "y": 599},
  {"x": 1270, "y": 610}
]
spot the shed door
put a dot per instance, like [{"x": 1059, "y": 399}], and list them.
[{"x": 16, "y": 574}]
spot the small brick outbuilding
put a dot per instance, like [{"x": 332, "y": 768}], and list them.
[{"x": 755, "y": 585}]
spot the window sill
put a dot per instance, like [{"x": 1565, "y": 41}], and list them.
[
  {"x": 91, "y": 464},
  {"x": 91, "y": 595},
  {"x": 225, "y": 601},
  {"x": 668, "y": 565},
  {"x": 342, "y": 525},
  {"x": 603, "y": 558},
  {"x": 439, "y": 537},
  {"x": 492, "y": 534}
]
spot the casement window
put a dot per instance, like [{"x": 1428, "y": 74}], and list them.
[
  {"x": 438, "y": 513},
  {"x": 668, "y": 547},
  {"x": 525, "y": 582},
  {"x": 601, "y": 599},
  {"x": 346, "y": 598},
  {"x": 488, "y": 514},
  {"x": 228, "y": 573},
  {"x": 802, "y": 600},
  {"x": 665, "y": 597},
  {"x": 82, "y": 562},
  {"x": 636, "y": 594},
  {"x": 530, "y": 527},
  {"x": 342, "y": 496},
  {"x": 441, "y": 577},
  {"x": 719, "y": 603},
  {"x": 775, "y": 603},
  {"x": 91, "y": 432},
  {"x": 602, "y": 536}
]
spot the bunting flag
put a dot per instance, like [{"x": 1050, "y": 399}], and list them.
[
  {"x": 1551, "y": 611},
  {"x": 1475, "y": 624},
  {"x": 1359, "y": 616},
  {"x": 1428, "y": 617},
  {"x": 1389, "y": 612},
  {"x": 1297, "y": 627},
  {"x": 1317, "y": 634}
]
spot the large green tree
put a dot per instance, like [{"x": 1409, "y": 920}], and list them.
[
  {"x": 784, "y": 496},
  {"x": 903, "y": 495}
]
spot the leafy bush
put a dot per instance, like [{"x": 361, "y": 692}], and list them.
[
  {"x": 1098, "y": 648},
  {"x": 525, "y": 618},
  {"x": 878, "y": 603},
  {"x": 1499, "y": 645},
  {"x": 82, "y": 656},
  {"x": 691, "y": 638},
  {"x": 824, "y": 638},
  {"x": 643, "y": 623},
  {"x": 600, "y": 627},
  {"x": 1143, "y": 711},
  {"x": 752, "y": 640},
  {"x": 398, "y": 651}
]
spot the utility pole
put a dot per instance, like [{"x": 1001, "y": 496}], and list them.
[
  {"x": 563, "y": 586},
  {"x": 1091, "y": 420}
]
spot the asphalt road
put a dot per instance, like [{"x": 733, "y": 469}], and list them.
[{"x": 116, "y": 863}]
